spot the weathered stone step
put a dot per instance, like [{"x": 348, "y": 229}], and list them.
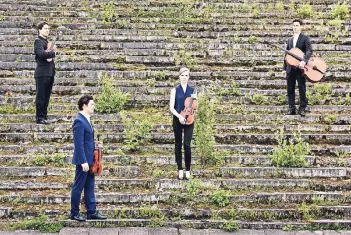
[
  {"x": 342, "y": 159},
  {"x": 116, "y": 171},
  {"x": 150, "y": 89},
  {"x": 57, "y": 127},
  {"x": 168, "y": 138},
  {"x": 277, "y": 119},
  {"x": 181, "y": 45},
  {"x": 167, "y": 184},
  {"x": 158, "y": 36},
  {"x": 250, "y": 172},
  {"x": 30, "y": 171},
  {"x": 337, "y": 139},
  {"x": 30, "y": 185},
  {"x": 165, "y": 79},
  {"x": 269, "y": 227},
  {"x": 137, "y": 74},
  {"x": 254, "y": 214},
  {"x": 41, "y": 148},
  {"x": 107, "y": 198},
  {"x": 284, "y": 172}
]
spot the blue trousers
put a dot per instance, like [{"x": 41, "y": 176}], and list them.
[{"x": 86, "y": 181}]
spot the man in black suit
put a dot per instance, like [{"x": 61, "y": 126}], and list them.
[
  {"x": 293, "y": 74},
  {"x": 44, "y": 72}
]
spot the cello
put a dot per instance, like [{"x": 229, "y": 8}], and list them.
[
  {"x": 313, "y": 71},
  {"x": 96, "y": 169},
  {"x": 190, "y": 105}
]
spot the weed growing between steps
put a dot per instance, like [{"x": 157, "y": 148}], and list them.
[
  {"x": 111, "y": 99},
  {"x": 220, "y": 198},
  {"x": 184, "y": 58},
  {"x": 56, "y": 159},
  {"x": 340, "y": 11},
  {"x": 290, "y": 152},
  {"x": 8, "y": 108},
  {"x": 40, "y": 223},
  {"x": 312, "y": 227},
  {"x": 137, "y": 132},
  {"x": 230, "y": 226},
  {"x": 320, "y": 94},
  {"x": 204, "y": 131},
  {"x": 330, "y": 119},
  {"x": 305, "y": 10}
]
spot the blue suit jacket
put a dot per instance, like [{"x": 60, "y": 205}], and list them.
[{"x": 83, "y": 136}]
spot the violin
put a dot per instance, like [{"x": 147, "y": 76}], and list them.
[
  {"x": 315, "y": 68},
  {"x": 96, "y": 169},
  {"x": 190, "y": 105},
  {"x": 51, "y": 47}
]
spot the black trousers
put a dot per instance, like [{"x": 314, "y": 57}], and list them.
[
  {"x": 188, "y": 135},
  {"x": 292, "y": 77},
  {"x": 43, "y": 92}
]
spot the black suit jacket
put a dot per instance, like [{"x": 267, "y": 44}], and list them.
[
  {"x": 44, "y": 68},
  {"x": 304, "y": 44}
]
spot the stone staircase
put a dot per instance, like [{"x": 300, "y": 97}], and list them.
[{"x": 141, "y": 44}]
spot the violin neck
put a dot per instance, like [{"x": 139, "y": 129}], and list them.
[
  {"x": 286, "y": 51},
  {"x": 191, "y": 102},
  {"x": 52, "y": 45}
]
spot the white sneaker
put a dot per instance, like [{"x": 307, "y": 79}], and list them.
[
  {"x": 180, "y": 174},
  {"x": 187, "y": 175}
]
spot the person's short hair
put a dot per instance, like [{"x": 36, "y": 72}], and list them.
[
  {"x": 41, "y": 25},
  {"x": 298, "y": 20},
  {"x": 84, "y": 100},
  {"x": 183, "y": 69}
]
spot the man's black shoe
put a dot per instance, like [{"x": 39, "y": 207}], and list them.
[
  {"x": 291, "y": 112},
  {"x": 96, "y": 215},
  {"x": 42, "y": 121},
  {"x": 78, "y": 218},
  {"x": 302, "y": 112}
]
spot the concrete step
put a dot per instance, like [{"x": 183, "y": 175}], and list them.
[
  {"x": 42, "y": 148},
  {"x": 225, "y": 172},
  {"x": 66, "y": 127},
  {"x": 122, "y": 198},
  {"x": 163, "y": 184},
  {"x": 168, "y": 138}
]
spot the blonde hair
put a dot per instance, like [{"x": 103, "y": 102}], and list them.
[{"x": 182, "y": 70}]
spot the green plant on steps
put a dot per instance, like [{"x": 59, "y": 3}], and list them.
[
  {"x": 258, "y": 99},
  {"x": 137, "y": 132},
  {"x": 40, "y": 223},
  {"x": 185, "y": 58},
  {"x": 305, "y": 10},
  {"x": 290, "y": 152},
  {"x": 55, "y": 159},
  {"x": 111, "y": 99},
  {"x": 220, "y": 198},
  {"x": 330, "y": 119},
  {"x": 340, "y": 11},
  {"x": 204, "y": 132},
  {"x": 230, "y": 226},
  {"x": 320, "y": 94}
]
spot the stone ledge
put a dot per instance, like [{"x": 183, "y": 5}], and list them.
[{"x": 288, "y": 172}]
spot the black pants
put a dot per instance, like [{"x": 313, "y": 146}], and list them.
[
  {"x": 188, "y": 135},
  {"x": 292, "y": 77},
  {"x": 44, "y": 87}
]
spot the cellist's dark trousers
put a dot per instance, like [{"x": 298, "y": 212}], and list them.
[
  {"x": 293, "y": 76},
  {"x": 188, "y": 135},
  {"x": 83, "y": 181}
]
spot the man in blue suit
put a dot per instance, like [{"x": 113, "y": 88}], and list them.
[{"x": 83, "y": 135}]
